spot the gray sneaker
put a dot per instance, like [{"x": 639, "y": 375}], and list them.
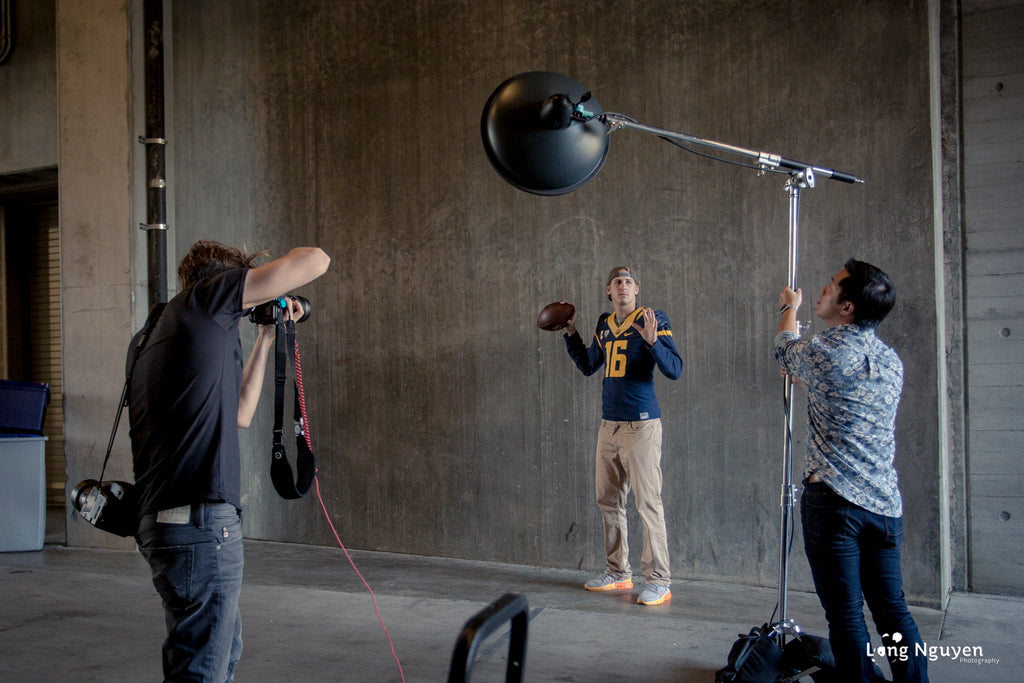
[
  {"x": 607, "y": 582},
  {"x": 654, "y": 594}
]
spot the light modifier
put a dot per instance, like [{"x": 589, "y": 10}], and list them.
[{"x": 537, "y": 136}]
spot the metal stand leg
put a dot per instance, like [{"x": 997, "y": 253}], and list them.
[{"x": 785, "y": 626}]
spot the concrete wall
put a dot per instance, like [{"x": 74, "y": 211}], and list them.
[
  {"x": 28, "y": 109},
  {"x": 993, "y": 70},
  {"x": 96, "y": 189},
  {"x": 445, "y": 423}
]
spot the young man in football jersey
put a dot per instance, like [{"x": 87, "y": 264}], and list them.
[{"x": 629, "y": 343}]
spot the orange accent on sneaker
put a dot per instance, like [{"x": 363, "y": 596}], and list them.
[
  {"x": 617, "y": 586},
  {"x": 667, "y": 597}
]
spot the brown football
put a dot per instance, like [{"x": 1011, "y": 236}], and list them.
[{"x": 555, "y": 316}]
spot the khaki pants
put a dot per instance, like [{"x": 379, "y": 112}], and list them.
[{"x": 629, "y": 457}]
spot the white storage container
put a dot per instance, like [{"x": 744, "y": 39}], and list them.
[{"x": 22, "y": 493}]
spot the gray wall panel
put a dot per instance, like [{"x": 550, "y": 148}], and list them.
[
  {"x": 28, "y": 90},
  {"x": 446, "y": 423},
  {"x": 993, "y": 175}
]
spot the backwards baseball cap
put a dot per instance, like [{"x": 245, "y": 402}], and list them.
[{"x": 620, "y": 271}]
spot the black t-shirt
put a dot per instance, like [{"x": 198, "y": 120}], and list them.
[{"x": 183, "y": 399}]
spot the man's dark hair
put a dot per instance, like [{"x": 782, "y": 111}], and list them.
[
  {"x": 207, "y": 258},
  {"x": 869, "y": 290}
]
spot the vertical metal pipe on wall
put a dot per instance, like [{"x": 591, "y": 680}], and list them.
[
  {"x": 155, "y": 142},
  {"x": 6, "y": 30}
]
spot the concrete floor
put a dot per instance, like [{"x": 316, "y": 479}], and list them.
[{"x": 91, "y": 615}]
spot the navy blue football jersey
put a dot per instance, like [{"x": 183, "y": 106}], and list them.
[{"x": 627, "y": 393}]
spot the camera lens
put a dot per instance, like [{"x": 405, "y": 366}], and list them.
[
  {"x": 81, "y": 490},
  {"x": 306, "y": 307}
]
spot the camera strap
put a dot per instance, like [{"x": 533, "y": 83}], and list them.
[
  {"x": 290, "y": 485},
  {"x": 154, "y": 315}
]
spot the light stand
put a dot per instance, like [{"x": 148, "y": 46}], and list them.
[
  {"x": 539, "y": 135},
  {"x": 783, "y": 627}
]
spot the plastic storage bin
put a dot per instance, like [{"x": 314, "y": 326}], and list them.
[
  {"x": 23, "y": 407},
  {"x": 22, "y": 493}
]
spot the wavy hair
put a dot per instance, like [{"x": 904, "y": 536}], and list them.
[{"x": 207, "y": 258}]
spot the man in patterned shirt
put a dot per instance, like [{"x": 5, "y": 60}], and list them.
[
  {"x": 851, "y": 506},
  {"x": 629, "y": 343}
]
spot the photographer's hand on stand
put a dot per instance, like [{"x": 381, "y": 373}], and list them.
[{"x": 789, "y": 304}]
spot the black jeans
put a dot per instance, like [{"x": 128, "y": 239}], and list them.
[{"x": 855, "y": 556}]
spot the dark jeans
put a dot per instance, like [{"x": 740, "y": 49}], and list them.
[
  {"x": 855, "y": 556},
  {"x": 197, "y": 570}
]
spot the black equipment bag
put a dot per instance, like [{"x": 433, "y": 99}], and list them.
[
  {"x": 757, "y": 658},
  {"x": 812, "y": 654},
  {"x": 754, "y": 658}
]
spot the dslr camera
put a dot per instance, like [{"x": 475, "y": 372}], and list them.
[
  {"x": 107, "y": 505},
  {"x": 272, "y": 312}
]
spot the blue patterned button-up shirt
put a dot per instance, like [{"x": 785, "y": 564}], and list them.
[{"x": 853, "y": 383}]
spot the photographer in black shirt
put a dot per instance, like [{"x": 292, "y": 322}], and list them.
[{"x": 188, "y": 396}]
